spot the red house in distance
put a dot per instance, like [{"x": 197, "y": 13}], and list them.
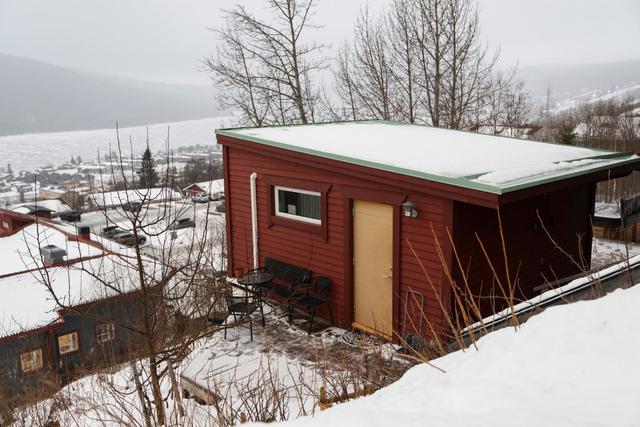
[{"x": 395, "y": 214}]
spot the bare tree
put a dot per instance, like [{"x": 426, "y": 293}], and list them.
[
  {"x": 345, "y": 87},
  {"x": 506, "y": 107},
  {"x": 612, "y": 124},
  {"x": 424, "y": 62},
  {"x": 174, "y": 286},
  {"x": 364, "y": 72},
  {"x": 265, "y": 67},
  {"x": 432, "y": 40},
  {"x": 235, "y": 76},
  {"x": 402, "y": 42},
  {"x": 468, "y": 64}
]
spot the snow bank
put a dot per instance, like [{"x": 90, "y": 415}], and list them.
[{"x": 572, "y": 365}]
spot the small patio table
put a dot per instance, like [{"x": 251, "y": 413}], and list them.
[
  {"x": 252, "y": 283},
  {"x": 255, "y": 279}
]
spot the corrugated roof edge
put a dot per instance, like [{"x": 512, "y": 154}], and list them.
[
  {"x": 34, "y": 329},
  {"x": 459, "y": 182}
]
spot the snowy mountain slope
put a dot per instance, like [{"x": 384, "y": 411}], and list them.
[
  {"x": 571, "y": 85},
  {"x": 572, "y": 365}
]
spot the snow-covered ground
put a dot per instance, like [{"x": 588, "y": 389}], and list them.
[
  {"x": 572, "y": 365},
  {"x": 281, "y": 370},
  {"x": 29, "y": 151},
  {"x": 605, "y": 252}
]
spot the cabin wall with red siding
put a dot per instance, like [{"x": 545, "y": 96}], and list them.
[
  {"x": 331, "y": 257},
  {"x": 424, "y": 252},
  {"x": 533, "y": 257}
]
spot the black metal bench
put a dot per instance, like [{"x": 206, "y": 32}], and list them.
[{"x": 286, "y": 278}]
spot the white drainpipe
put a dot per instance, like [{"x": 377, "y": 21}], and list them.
[{"x": 254, "y": 219}]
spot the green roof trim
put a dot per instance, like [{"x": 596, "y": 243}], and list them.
[{"x": 608, "y": 159}]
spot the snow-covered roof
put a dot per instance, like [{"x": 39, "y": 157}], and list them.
[
  {"x": 25, "y": 301},
  {"x": 20, "y": 251},
  {"x": 55, "y": 205},
  {"x": 29, "y": 209},
  {"x": 211, "y": 187},
  {"x": 28, "y": 304},
  {"x": 118, "y": 198},
  {"x": 607, "y": 210},
  {"x": 487, "y": 163}
]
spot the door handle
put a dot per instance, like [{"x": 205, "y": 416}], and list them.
[{"x": 390, "y": 275}]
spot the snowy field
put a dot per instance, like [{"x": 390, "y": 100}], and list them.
[{"x": 29, "y": 151}]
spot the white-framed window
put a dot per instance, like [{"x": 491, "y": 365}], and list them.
[
  {"x": 301, "y": 205},
  {"x": 68, "y": 343},
  {"x": 105, "y": 332},
  {"x": 31, "y": 360}
]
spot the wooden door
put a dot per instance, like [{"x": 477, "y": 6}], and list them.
[{"x": 372, "y": 269}]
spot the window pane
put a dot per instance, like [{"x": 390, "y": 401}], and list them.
[
  {"x": 299, "y": 204},
  {"x": 68, "y": 343},
  {"x": 31, "y": 360},
  {"x": 105, "y": 332}
]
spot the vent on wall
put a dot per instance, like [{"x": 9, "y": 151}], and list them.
[
  {"x": 84, "y": 232},
  {"x": 52, "y": 254}
]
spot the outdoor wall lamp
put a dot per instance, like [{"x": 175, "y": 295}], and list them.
[{"x": 409, "y": 209}]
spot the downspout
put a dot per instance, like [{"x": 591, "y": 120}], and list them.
[{"x": 254, "y": 219}]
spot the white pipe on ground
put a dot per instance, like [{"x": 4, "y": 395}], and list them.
[{"x": 254, "y": 219}]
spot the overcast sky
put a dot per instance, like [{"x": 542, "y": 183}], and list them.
[{"x": 163, "y": 39}]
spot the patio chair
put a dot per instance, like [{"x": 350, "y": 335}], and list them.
[
  {"x": 316, "y": 294},
  {"x": 243, "y": 307}
]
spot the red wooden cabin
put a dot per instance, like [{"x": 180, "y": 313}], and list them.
[{"x": 395, "y": 213}]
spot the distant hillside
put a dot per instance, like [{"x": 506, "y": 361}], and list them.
[
  {"x": 38, "y": 97},
  {"x": 570, "y": 85}
]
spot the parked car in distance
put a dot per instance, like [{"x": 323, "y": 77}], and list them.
[
  {"x": 131, "y": 206},
  {"x": 183, "y": 223},
  {"x": 71, "y": 216},
  {"x": 201, "y": 198},
  {"x": 111, "y": 231},
  {"x": 218, "y": 195},
  {"x": 128, "y": 239},
  {"x": 220, "y": 207}
]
